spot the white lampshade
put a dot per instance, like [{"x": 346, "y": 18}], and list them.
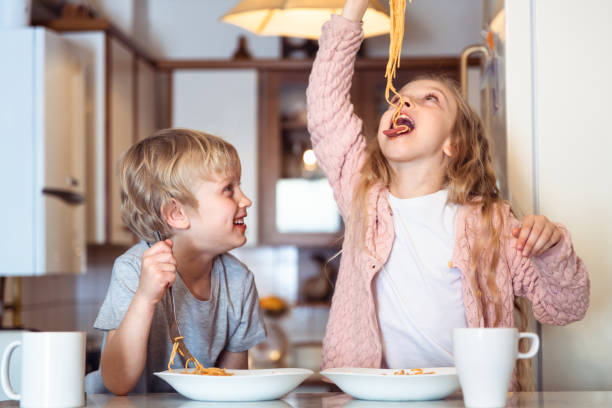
[{"x": 300, "y": 18}]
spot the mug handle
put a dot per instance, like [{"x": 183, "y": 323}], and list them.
[
  {"x": 535, "y": 345},
  {"x": 4, "y": 371}
]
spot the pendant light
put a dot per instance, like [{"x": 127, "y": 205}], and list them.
[{"x": 300, "y": 18}]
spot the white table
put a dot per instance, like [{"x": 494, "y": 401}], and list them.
[{"x": 564, "y": 399}]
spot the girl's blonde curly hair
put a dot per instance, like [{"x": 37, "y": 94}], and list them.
[{"x": 470, "y": 180}]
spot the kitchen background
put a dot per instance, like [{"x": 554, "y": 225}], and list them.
[{"x": 132, "y": 66}]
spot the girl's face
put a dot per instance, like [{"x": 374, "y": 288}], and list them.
[
  {"x": 218, "y": 223},
  {"x": 430, "y": 111}
]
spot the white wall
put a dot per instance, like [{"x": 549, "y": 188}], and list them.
[
  {"x": 559, "y": 142},
  {"x": 224, "y": 103},
  {"x": 186, "y": 29},
  {"x": 190, "y": 29},
  {"x": 435, "y": 27}
]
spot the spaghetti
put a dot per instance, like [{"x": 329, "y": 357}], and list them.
[
  {"x": 397, "y": 10},
  {"x": 413, "y": 371},
  {"x": 198, "y": 368}
]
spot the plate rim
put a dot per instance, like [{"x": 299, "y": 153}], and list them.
[
  {"x": 337, "y": 371},
  {"x": 298, "y": 371}
]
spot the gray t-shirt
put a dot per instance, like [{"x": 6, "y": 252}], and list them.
[{"x": 230, "y": 320}]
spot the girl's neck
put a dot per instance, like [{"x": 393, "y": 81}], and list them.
[{"x": 416, "y": 179}]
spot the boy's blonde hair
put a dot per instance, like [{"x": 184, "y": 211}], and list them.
[{"x": 166, "y": 166}]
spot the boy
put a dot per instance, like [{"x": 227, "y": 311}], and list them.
[{"x": 185, "y": 185}]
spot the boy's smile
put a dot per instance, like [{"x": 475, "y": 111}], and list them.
[
  {"x": 239, "y": 223},
  {"x": 218, "y": 224}
]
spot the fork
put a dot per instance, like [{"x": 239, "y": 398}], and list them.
[{"x": 175, "y": 333}]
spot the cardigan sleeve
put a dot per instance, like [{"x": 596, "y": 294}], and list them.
[
  {"x": 556, "y": 281},
  {"x": 335, "y": 129}
]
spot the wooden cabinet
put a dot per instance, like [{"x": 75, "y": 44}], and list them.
[
  {"x": 296, "y": 201},
  {"x": 122, "y": 110}
]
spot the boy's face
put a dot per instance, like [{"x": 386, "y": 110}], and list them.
[{"x": 218, "y": 224}]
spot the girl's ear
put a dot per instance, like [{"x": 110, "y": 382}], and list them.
[
  {"x": 448, "y": 148},
  {"x": 175, "y": 215}
]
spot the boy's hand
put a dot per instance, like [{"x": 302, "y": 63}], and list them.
[
  {"x": 536, "y": 235},
  {"x": 158, "y": 271}
]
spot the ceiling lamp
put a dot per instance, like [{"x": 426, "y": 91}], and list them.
[{"x": 300, "y": 18}]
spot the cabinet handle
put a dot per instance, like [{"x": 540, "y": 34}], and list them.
[
  {"x": 463, "y": 67},
  {"x": 65, "y": 195},
  {"x": 465, "y": 54}
]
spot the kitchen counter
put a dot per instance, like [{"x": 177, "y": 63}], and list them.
[{"x": 586, "y": 399}]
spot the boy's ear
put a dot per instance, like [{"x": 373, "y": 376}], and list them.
[{"x": 175, "y": 215}]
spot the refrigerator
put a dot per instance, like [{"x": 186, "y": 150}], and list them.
[
  {"x": 544, "y": 92},
  {"x": 42, "y": 168},
  {"x": 558, "y": 62}
]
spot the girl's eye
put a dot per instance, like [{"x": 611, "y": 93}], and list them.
[
  {"x": 431, "y": 97},
  {"x": 229, "y": 188},
  {"x": 397, "y": 100}
]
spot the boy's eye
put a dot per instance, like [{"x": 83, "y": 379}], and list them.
[{"x": 229, "y": 188}]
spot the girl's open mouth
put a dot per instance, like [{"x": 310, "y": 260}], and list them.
[{"x": 403, "y": 125}]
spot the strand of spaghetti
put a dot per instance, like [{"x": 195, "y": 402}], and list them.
[
  {"x": 173, "y": 354},
  {"x": 196, "y": 365},
  {"x": 397, "y": 10},
  {"x": 198, "y": 368}
]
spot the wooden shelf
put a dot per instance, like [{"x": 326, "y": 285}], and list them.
[
  {"x": 306, "y": 64},
  {"x": 98, "y": 24},
  {"x": 293, "y": 125},
  {"x": 312, "y": 304}
]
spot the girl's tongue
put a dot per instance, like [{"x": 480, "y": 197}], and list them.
[{"x": 404, "y": 125}]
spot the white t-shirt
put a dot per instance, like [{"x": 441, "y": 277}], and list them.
[{"x": 419, "y": 298}]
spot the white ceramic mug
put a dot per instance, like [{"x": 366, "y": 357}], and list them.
[
  {"x": 485, "y": 359},
  {"x": 52, "y": 371}
]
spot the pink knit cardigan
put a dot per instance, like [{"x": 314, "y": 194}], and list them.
[{"x": 555, "y": 282}]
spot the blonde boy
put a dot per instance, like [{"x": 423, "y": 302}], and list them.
[{"x": 185, "y": 185}]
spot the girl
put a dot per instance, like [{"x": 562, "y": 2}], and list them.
[{"x": 429, "y": 245}]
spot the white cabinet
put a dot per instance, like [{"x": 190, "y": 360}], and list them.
[
  {"x": 43, "y": 127},
  {"x": 223, "y": 103},
  {"x": 121, "y": 128},
  {"x": 123, "y": 111}
]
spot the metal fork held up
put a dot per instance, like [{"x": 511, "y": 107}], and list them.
[{"x": 173, "y": 325}]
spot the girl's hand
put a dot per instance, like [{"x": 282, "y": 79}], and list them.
[
  {"x": 158, "y": 271},
  {"x": 355, "y": 9},
  {"x": 536, "y": 235}
]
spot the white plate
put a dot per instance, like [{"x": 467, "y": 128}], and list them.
[
  {"x": 239, "y": 404},
  {"x": 381, "y": 385},
  {"x": 244, "y": 385}
]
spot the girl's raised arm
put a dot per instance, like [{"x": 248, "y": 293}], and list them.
[
  {"x": 354, "y": 9},
  {"x": 334, "y": 128}
]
